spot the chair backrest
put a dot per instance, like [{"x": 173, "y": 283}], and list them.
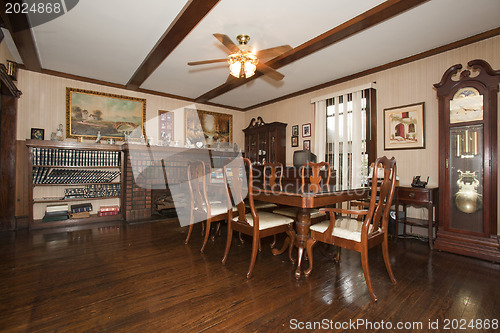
[
  {"x": 315, "y": 179},
  {"x": 273, "y": 173},
  {"x": 239, "y": 178},
  {"x": 197, "y": 185},
  {"x": 382, "y": 194}
]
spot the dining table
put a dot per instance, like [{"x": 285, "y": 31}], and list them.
[{"x": 305, "y": 201}]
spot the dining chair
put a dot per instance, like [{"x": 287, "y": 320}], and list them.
[
  {"x": 256, "y": 223},
  {"x": 272, "y": 174},
  {"x": 311, "y": 183},
  {"x": 201, "y": 209},
  {"x": 347, "y": 232}
]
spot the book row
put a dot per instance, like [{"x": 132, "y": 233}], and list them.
[
  {"x": 93, "y": 191},
  {"x": 74, "y": 157},
  {"x": 47, "y": 175}
]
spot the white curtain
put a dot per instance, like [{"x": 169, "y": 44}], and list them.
[{"x": 319, "y": 129}]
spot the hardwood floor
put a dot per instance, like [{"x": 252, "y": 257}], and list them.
[{"x": 143, "y": 278}]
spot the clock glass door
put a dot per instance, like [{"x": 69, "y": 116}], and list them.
[{"x": 466, "y": 178}]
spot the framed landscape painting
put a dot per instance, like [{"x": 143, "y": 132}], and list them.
[
  {"x": 208, "y": 127},
  {"x": 404, "y": 127},
  {"x": 89, "y": 112}
]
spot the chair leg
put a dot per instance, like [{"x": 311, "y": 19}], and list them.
[
  {"x": 291, "y": 234},
  {"x": 241, "y": 239},
  {"x": 207, "y": 234},
  {"x": 309, "y": 246},
  {"x": 274, "y": 242},
  {"x": 385, "y": 251},
  {"x": 337, "y": 258},
  {"x": 190, "y": 230},
  {"x": 255, "y": 248},
  {"x": 366, "y": 272},
  {"x": 228, "y": 242}
]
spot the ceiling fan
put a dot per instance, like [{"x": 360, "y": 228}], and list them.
[{"x": 243, "y": 61}]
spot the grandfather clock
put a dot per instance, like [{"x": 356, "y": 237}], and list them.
[{"x": 468, "y": 161}]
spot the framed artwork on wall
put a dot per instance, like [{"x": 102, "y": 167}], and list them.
[
  {"x": 295, "y": 130},
  {"x": 404, "y": 127},
  {"x": 166, "y": 124},
  {"x": 295, "y": 141},
  {"x": 208, "y": 127},
  {"x": 307, "y": 145},
  {"x": 306, "y": 130},
  {"x": 37, "y": 134},
  {"x": 90, "y": 112}
]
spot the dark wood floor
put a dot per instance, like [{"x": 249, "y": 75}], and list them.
[{"x": 142, "y": 278}]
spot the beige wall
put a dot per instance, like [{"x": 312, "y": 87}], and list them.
[
  {"x": 402, "y": 85},
  {"x": 43, "y": 105}
]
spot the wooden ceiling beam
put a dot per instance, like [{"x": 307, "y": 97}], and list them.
[
  {"x": 368, "y": 19},
  {"x": 192, "y": 13},
  {"x": 20, "y": 30}
]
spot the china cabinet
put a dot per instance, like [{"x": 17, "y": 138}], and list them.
[
  {"x": 468, "y": 161},
  {"x": 265, "y": 142}
]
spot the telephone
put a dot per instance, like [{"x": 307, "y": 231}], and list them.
[{"x": 418, "y": 183}]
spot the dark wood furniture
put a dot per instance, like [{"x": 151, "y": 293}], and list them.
[
  {"x": 76, "y": 165},
  {"x": 315, "y": 178},
  {"x": 427, "y": 197},
  {"x": 9, "y": 95},
  {"x": 468, "y": 164},
  {"x": 265, "y": 142},
  {"x": 272, "y": 175},
  {"x": 350, "y": 233},
  {"x": 201, "y": 209},
  {"x": 305, "y": 201},
  {"x": 258, "y": 224}
]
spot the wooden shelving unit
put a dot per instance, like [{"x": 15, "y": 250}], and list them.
[{"x": 92, "y": 157}]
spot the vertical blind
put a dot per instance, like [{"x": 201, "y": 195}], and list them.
[{"x": 341, "y": 135}]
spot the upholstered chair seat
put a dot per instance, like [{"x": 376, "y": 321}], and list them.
[{"x": 345, "y": 227}]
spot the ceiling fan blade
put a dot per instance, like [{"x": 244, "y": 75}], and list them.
[
  {"x": 273, "y": 51},
  {"x": 272, "y": 73},
  {"x": 194, "y": 63},
  {"x": 227, "y": 42}
]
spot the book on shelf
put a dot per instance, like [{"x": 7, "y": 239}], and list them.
[
  {"x": 84, "y": 207},
  {"x": 55, "y": 216},
  {"x": 80, "y": 215},
  {"x": 57, "y": 208},
  {"x": 75, "y": 157},
  {"x": 110, "y": 213},
  {"x": 114, "y": 208}
]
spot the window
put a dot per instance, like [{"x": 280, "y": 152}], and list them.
[{"x": 347, "y": 130}]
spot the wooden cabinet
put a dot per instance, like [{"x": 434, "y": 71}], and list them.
[
  {"x": 265, "y": 142},
  {"x": 420, "y": 197},
  {"x": 67, "y": 173},
  {"x": 468, "y": 161}
]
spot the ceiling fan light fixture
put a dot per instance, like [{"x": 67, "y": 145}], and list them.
[{"x": 242, "y": 64}]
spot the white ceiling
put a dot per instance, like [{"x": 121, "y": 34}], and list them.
[{"x": 108, "y": 41}]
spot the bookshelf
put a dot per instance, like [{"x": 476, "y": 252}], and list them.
[{"x": 71, "y": 173}]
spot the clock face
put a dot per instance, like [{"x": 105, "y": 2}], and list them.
[{"x": 466, "y": 105}]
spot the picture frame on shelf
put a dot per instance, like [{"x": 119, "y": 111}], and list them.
[
  {"x": 37, "y": 134},
  {"x": 404, "y": 127},
  {"x": 295, "y": 130},
  {"x": 89, "y": 112},
  {"x": 166, "y": 124},
  {"x": 307, "y": 145},
  {"x": 306, "y": 130},
  {"x": 295, "y": 141}
]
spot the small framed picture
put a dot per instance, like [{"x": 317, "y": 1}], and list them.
[
  {"x": 307, "y": 144},
  {"x": 295, "y": 140},
  {"x": 306, "y": 130},
  {"x": 295, "y": 130},
  {"x": 37, "y": 134}
]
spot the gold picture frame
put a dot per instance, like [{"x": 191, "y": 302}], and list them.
[
  {"x": 208, "y": 127},
  {"x": 89, "y": 112}
]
